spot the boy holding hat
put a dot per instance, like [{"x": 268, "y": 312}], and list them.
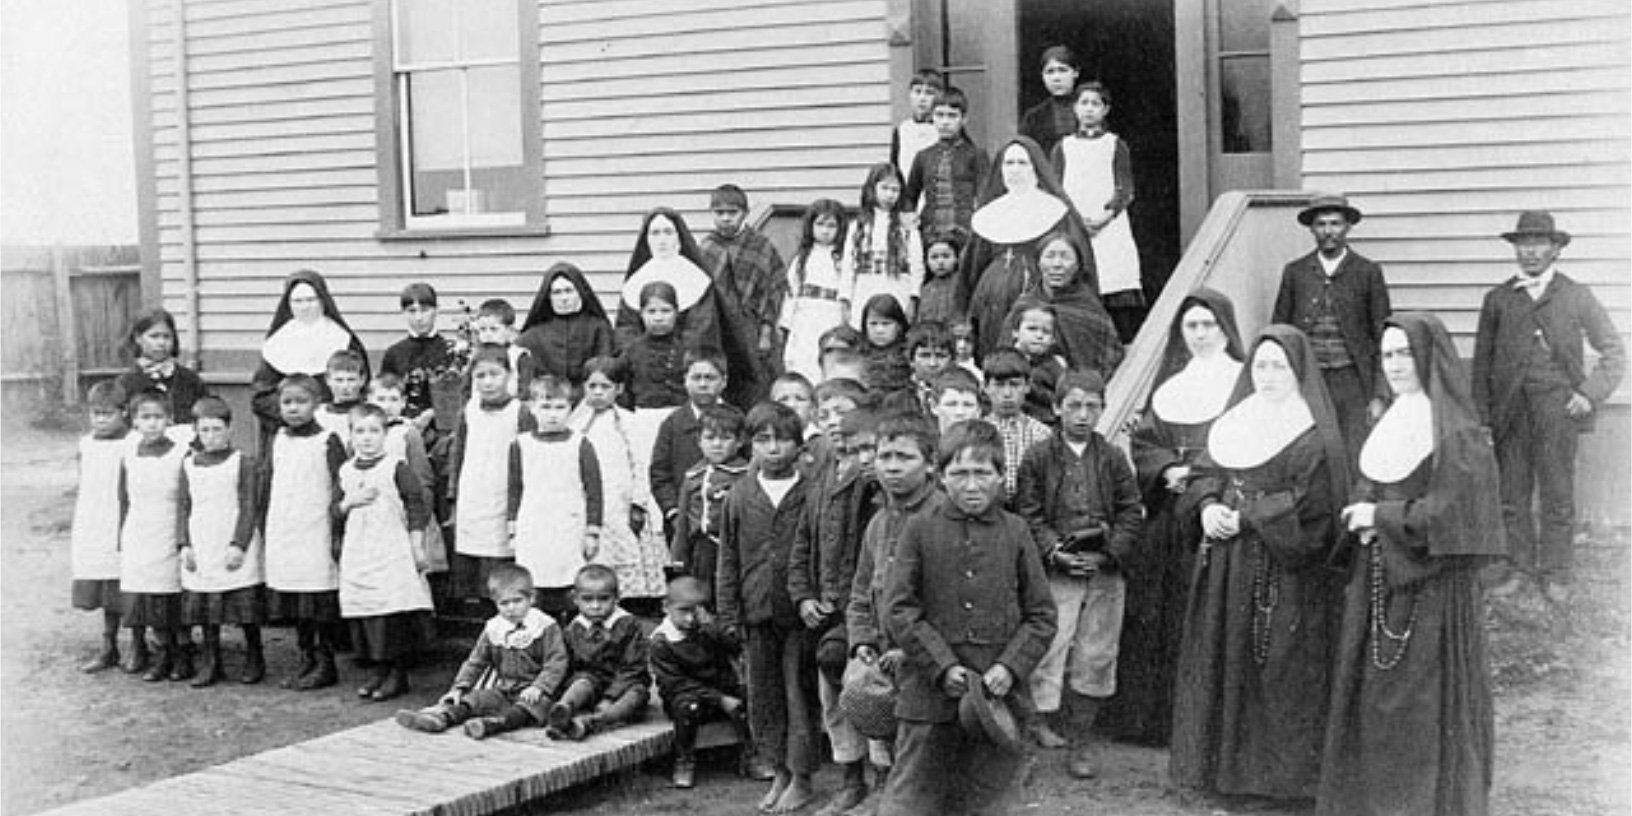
[
  {"x": 1535, "y": 395},
  {"x": 1340, "y": 300}
]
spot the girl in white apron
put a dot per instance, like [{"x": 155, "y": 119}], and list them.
[
  {"x": 478, "y": 473},
  {"x": 149, "y": 501},
  {"x": 559, "y": 512},
  {"x": 300, "y": 565},
  {"x": 383, "y": 593},
  {"x": 1097, "y": 175},
  {"x": 221, "y": 554},
  {"x": 94, "y": 543}
]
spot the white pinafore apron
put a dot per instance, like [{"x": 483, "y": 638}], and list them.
[
  {"x": 481, "y": 512},
  {"x": 1090, "y": 181},
  {"x": 94, "y": 542},
  {"x": 550, "y": 523},
  {"x": 377, "y": 571},
  {"x": 214, "y": 493},
  {"x": 148, "y": 561},
  {"x": 299, "y": 538}
]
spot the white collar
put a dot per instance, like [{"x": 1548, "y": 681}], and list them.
[
  {"x": 1401, "y": 439},
  {"x": 300, "y": 348},
  {"x": 1330, "y": 265},
  {"x": 1535, "y": 286},
  {"x": 1198, "y": 392},
  {"x": 1014, "y": 218},
  {"x": 669, "y": 632},
  {"x": 1255, "y": 429},
  {"x": 690, "y": 282},
  {"x": 507, "y": 635},
  {"x": 617, "y": 614}
]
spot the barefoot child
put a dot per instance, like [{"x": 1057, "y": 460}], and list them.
[
  {"x": 221, "y": 549},
  {"x": 514, "y": 668},
  {"x": 555, "y": 500},
  {"x": 149, "y": 505},
  {"x": 606, "y": 679},
  {"x": 693, "y": 660},
  {"x": 94, "y": 547},
  {"x": 702, "y": 494},
  {"x": 383, "y": 593}
]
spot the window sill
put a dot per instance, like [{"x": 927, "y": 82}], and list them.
[{"x": 456, "y": 233}]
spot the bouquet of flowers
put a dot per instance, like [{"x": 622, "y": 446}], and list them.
[{"x": 445, "y": 382}]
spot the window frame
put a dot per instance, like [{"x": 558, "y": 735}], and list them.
[{"x": 391, "y": 138}]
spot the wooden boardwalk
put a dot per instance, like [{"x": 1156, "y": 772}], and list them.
[{"x": 387, "y": 770}]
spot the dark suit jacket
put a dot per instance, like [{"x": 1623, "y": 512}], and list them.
[
  {"x": 675, "y": 451},
  {"x": 1359, "y": 296},
  {"x": 1566, "y": 313}
]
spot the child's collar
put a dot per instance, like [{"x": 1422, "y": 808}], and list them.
[
  {"x": 504, "y": 634},
  {"x": 618, "y": 614}
]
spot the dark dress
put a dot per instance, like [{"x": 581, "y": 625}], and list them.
[
  {"x": 184, "y": 387},
  {"x": 1255, "y": 663}
]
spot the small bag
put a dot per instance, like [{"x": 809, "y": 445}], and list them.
[{"x": 868, "y": 700}]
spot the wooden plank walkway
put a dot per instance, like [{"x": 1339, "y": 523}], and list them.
[{"x": 385, "y": 770}]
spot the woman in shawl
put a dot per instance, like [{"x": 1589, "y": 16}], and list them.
[
  {"x": 1021, "y": 202},
  {"x": 1249, "y": 709},
  {"x": 1199, "y": 368},
  {"x": 1411, "y": 722},
  {"x": 567, "y": 324},
  {"x": 306, "y": 329},
  {"x": 667, "y": 252},
  {"x": 1083, "y": 331}
]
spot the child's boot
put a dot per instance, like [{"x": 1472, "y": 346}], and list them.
[
  {"x": 160, "y": 669},
  {"x": 376, "y": 678},
  {"x": 395, "y": 685},
  {"x": 181, "y": 664},
  {"x": 140, "y": 657},
  {"x": 685, "y": 771},
  {"x": 306, "y": 640},
  {"x": 1084, "y": 711},
  {"x": 324, "y": 674},
  {"x": 430, "y": 719},
  {"x": 105, "y": 659},
  {"x": 254, "y": 658},
  {"x": 209, "y": 671},
  {"x": 510, "y": 719}
]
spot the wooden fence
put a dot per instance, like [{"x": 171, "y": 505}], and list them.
[{"x": 64, "y": 314}]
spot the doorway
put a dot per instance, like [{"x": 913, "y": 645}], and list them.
[{"x": 1129, "y": 46}]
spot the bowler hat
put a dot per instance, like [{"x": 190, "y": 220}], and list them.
[
  {"x": 1537, "y": 222},
  {"x": 1326, "y": 202},
  {"x": 984, "y": 715}
]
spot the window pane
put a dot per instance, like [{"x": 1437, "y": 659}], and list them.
[
  {"x": 436, "y": 137},
  {"x": 1244, "y": 93},
  {"x": 488, "y": 29},
  {"x": 497, "y": 171},
  {"x": 425, "y": 31},
  {"x": 1243, "y": 25}
]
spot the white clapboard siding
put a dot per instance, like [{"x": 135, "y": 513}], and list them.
[
  {"x": 642, "y": 102},
  {"x": 1443, "y": 120}
]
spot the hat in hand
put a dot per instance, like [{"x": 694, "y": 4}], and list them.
[
  {"x": 1537, "y": 223},
  {"x": 1327, "y": 202},
  {"x": 868, "y": 700},
  {"x": 982, "y": 714}
]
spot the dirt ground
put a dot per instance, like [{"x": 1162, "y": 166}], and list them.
[{"x": 1563, "y": 681}]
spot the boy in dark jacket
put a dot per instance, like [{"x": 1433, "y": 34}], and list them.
[
  {"x": 696, "y": 542},
  {"x": 692, "y": 659},
  {"x": 607, "y": 680}
]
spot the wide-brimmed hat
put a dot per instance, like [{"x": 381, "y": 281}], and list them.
[
  {"x": 1537, "y": 222},
  {"x": 982, "y": 714},
  {"x": 868, "y": 700},
  {"x": 1326, "y": 202}
]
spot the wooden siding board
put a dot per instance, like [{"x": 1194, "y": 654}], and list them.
[
  {"x": 720, "y": 64},
  {"x": 619, "y": 11},
  {"x": 795, "y": 118},
  {"x": 865, "y": 136},
  {"x": 1485, "y": 109},
  {"x": 1514, "y": 131},
  {"x": 1453, "y": 86},
  {"x": 1484, "y": 61},
  {"x": 655, "y": 89},
  {"x": 683, "y": 20},
  {"x": 702, "y": 44},
  {"x": 1565, "y": 151},
  {"x": 732, "y": 100},
  {"x": 1344, "y": 16},
  {"x": 1505, "y": 35}
]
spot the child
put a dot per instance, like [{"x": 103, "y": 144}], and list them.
[
  {"x": 149, "y": 506},
  {"x": 404, "y": 441},
  {"x": 693, "y": 660},
  {"x": 929, "y": 349},
  {"x": 555, "y": 507},
  {"x": 1097, "y": 174},
  {"x": 344, "y": 378},
  {"x": 495, "y": 324},
  {"x": 957, "y": 398},
  {"x": 383, "y": 593},
  {"x": 947, "y": 173},
  {"x": 821, "y": 566},
  {"x": 656, "y": 360},
  {"x": 607, "y": 679},
  {"x": 905, "y": 465},
  {"x": 835, "y": 400},
  {"x": 963, "y": 347},
  {"x": 1080, "y": 497},
  {"x": 478, "y": 479},
  {"x": 567, "y": 324},
  {"x": 916, "y": 132},
  {"x": 420, "y": 357},
  {"x": 938, "y": 298},
  {"x": 153, "y": 345},
  {"x": 756, "y": 534},
  {"x": 1008, "y": 381},
  {"x": 516, "y": 665},
  {"x": 94, "y": 547},
  {"x": 840, "y": 354},
  {"x": 744, "y": 264},
  {"x": 968, "y": 603},
  {"x": 299, "y": 479},
  {"x": 221, "y": 558},
  {"x": 636, "y": 553},
  {"x": 885, "y": 325},
  {"x": 1053, "y": 118},
  {"x": 795, "y": 391},
  {"x": 1034, "y": 338},
  {"x": 675, "y": 450},
  {"x": 883, "y": 254},
  {"x": 702, "y": 494},
  {"x": 815, "y": 302}
]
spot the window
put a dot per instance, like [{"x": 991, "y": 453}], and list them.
[
  {"x": 1243, "y": 75},
  {"x": 463, "y": 84}
]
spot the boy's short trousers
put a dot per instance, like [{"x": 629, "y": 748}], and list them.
[{"x": 1084, "y": 651}]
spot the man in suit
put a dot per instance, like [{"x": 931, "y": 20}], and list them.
[
  {"x": 1535, "y": 395},
  {"x": 1339, "y": 299}
]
